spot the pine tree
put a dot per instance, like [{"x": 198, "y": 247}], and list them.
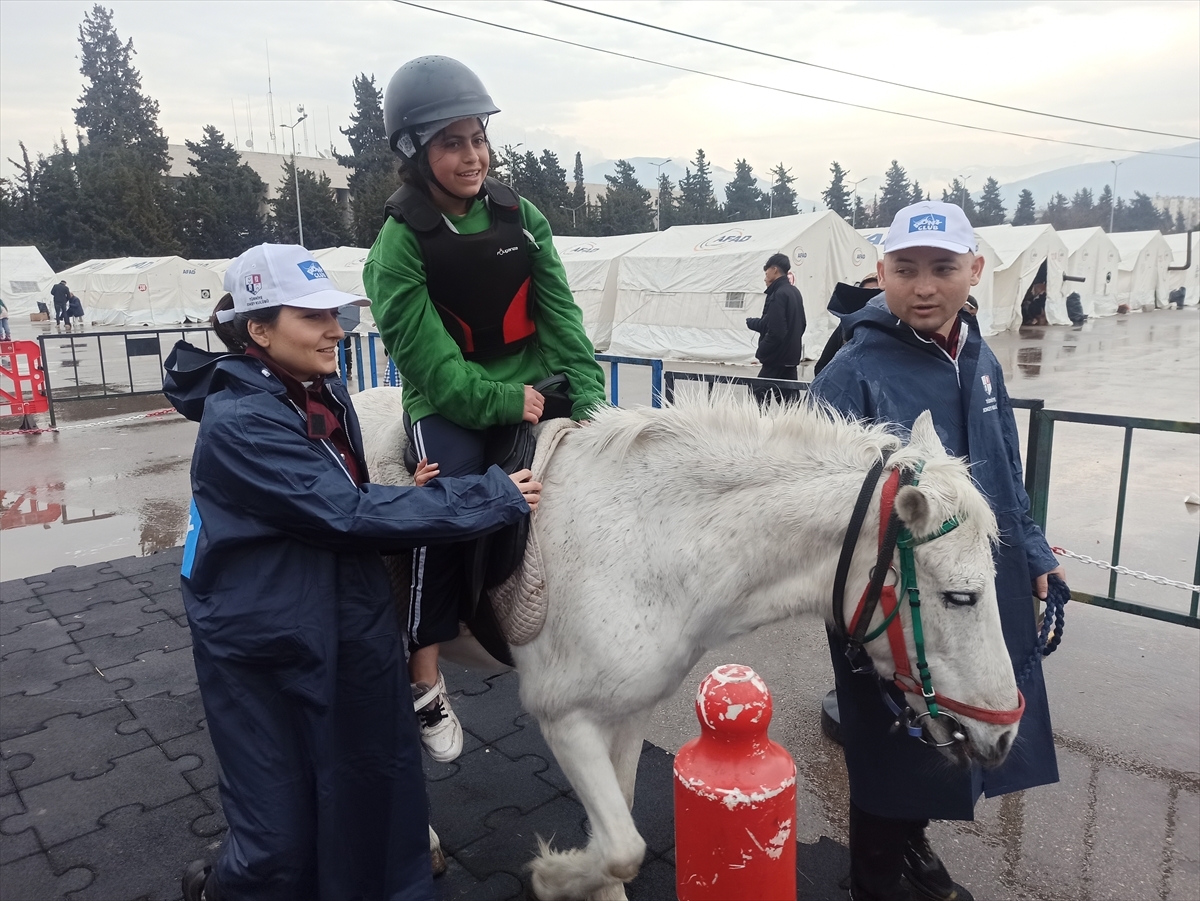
[
  {"x": 860, "y": 215},
  {"x": 916, "y": 194},
  {"x": 1179, "y": 226},
  {"x": 782, "y": 200},
  {"x": 957, "y": 194},
  {"x": 1140, "y": 215},
  {"x": 895, "y": 195},
  {"x": 991, "y": 204},
  {"x": 743, "y": 198},
  {"x": 1026, "y": 212},
  {"x": 696, "y": 201},
  {"x": 581, "y": 218},
  {"x": 1057, "y": 211},
  {"x": 324, "y": 221},
  {"x": 1104, "y": 208},
  {"x": 121, "y": 169},
  {"x": 373, "y": 176},
  {"x": 836, "y": 197},
  {"x": 220, "y": 203},
  {"x": 668, "y": 203},
  {"x": 625, "y": 205},
  {"x": 553, "y": 193}
]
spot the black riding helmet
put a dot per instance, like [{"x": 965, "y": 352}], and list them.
[{"x": 428, "y": 89}]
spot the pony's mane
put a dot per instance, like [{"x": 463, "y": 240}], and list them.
[{"x": 728, "y": 429}]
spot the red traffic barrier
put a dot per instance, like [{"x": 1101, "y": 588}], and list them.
[
  {"x": 22, "y": 381},
  {"x": 735, "y": 797}
]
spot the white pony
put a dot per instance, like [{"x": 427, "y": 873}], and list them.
[{"x": 667, "y": 532}]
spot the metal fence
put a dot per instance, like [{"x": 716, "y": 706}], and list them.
[{"x": 86, "y": 365}]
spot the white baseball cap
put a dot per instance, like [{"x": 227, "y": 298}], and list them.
[
  {"x": 931, "y": 223},
  {"x": 273, "y": 275}
]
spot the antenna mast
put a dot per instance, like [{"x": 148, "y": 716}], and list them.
[
  {"x": 233, "y": 110},
  {"x": 249, "y": 122},
  {"x": 270, "y": 101}
]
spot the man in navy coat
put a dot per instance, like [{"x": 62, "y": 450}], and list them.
[{"x": 911, "y": 349}]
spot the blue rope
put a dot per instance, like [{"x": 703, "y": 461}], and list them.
[{"x": 1057, "y": 596}]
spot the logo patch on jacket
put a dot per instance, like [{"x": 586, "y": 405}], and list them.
[
  {"x": 991, "y": 402},
  {"x": 312, "y": 270},
  {"x": 987, "y": 384},
  {"x": 930, "y": 222}
]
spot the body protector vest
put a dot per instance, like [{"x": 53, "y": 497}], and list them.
[{"x": 480, "y": 284}]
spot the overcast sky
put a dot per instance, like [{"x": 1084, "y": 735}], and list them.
[{"x": 1132, "y": 64}]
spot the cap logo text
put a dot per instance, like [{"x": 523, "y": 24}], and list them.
[
  {"x": 312, "y": 270},
  {"x": 930, "y": 222}
]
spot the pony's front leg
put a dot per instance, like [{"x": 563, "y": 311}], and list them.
[{"x": 615, "y": 849}]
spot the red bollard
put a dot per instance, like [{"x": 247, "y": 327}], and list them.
[{"x": 735, "y": 797}]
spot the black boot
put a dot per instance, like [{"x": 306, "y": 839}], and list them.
[
  {"x": 877, "y": 856},
  {"x": 194, "y": 877},
  {"x": 925, "y": 871}
]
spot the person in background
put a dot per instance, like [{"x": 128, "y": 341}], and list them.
[
  {"x": 473, "y": 305},
  {"x": 1033, "y": 307},
  {"x": 909, "y": 349},
  {"x": 295, "y": 637},
  {"x": 5, "y": 334},
  {"x": 780, "y": 328},
  {"x": 846, "y": 299},
  {"x": 74, "y": 311},
  {"x": 61, "y": 294}
]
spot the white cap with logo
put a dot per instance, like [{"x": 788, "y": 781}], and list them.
[
  {"x": 931, "y": 223},
  {"x": 272, "y": 275}
]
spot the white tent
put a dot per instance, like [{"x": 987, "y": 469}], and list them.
[
  {"x": 981, "y": 292},
  {"x": 1020, "y": 251},
  {"x": 144, "y": 291},
  {"x": 592, "y": 265},
  {"x": 1093, "y": 257},
  {"x": 219, "y": 266},
  {"x": 344, "y": 266},
  {"x": 686, "y": 292},
  {"x": 25, "y": 278},
  {"x": 1187, "y": 278},
  {"x": 1142, "y": 273}
]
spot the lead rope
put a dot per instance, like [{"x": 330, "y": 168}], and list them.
[{"x": 1051, "y": 633}]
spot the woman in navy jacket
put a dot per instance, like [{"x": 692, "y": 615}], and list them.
[{"x": 295, "y": 639}]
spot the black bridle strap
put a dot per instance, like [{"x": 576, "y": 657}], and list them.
[
  {"x": 884, "y": 561},
  {"x": 865, "y": 493}
]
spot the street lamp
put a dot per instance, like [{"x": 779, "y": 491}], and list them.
[
  {"x": 1112, "y": 207},
  {"x": 658, "y": 180},
  {"x": 296, "y": 173},
  {"x": 571, "y": 210},
  {"x": 962, "y": 202},
  {"x": 854, "y": 187}
]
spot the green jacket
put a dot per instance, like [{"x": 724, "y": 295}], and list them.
[{"x": 477, "y": 394}]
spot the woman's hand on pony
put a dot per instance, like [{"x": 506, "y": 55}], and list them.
[
  {"x": 530, "y": 490},
  {"x": 534, "y": 405},
  {"x": 425, "y": 472}
]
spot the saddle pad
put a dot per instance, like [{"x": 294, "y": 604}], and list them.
[{"x": 520, "y": 601}]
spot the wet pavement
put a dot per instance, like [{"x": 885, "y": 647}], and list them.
[{"x": 117, "y": 765}]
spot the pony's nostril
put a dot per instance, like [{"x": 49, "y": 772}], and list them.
[{"x": 1002, "y": 744}]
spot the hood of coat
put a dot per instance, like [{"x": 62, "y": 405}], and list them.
[
  {"x": 848, "y": 299},
  {"x": 192, "y": 375}
]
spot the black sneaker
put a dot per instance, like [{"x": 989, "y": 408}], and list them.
[
  {"x": 194, "y": 878},
  {"x": 927, "y": 874}
]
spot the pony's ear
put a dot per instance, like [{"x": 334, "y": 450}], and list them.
[
  {"x": 924, "y": 435},
  {"x": 913, "y": 507}
]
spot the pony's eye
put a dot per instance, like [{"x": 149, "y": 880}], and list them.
[{"x": 959, "y": 598}]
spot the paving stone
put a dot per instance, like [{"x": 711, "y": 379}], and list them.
[
  {"x": 211, "y": 825},
  {"x": 85, "y": 694},
  {"x": 37, "y": 672},
  {"x": 164, "y": 717},
  {"x": 199, "y": 745},
  {"x": 487, "y": 780},
  {"x": 13, "y": 762},
  {"x": 492, "y": 715},
  {"x": 1131, "y": 831},
  {"x": 510, "y": 841},
  {"x": 458, "y": 884},
  {"x": 118, "y": 618},
  {"x": 1185, "y": 848},
  {"x": 65, "y": 808},
  {"x": 1048, "y": 828},
  {"x": 40, "y": 635},
  {"x": 115, "y": 590},
  {"x": 528, "y": 740},
  {"x": 143, "y": 852},
  {"x": 16, "y": 590},
  {"x": 136, "y": 566},
  {"x": 20, "y": 613},
  {"x": 22, "y": 844},
  {"x": 820, "y": 867},
  {"x": 653, "y": 798},
  {"x": 72, "y": 578},
  {"x": 31, "y": 878},
  {"x": 111, "y": 651},
  {"x": 71, "y": 745},
  {"x": 460, "y": 679},
  {"x": 157, "y": 580},
  {"x": 168, "y": 602},
  {"x": 157, "y": 672}
]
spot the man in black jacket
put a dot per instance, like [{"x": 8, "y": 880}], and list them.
[
  {"x": 781, "y": 326},
  {"x": 62, "y": 296}
]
